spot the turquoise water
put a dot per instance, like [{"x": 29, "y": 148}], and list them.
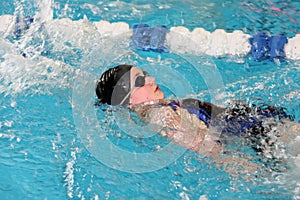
[{"x": 43, "y": 154}]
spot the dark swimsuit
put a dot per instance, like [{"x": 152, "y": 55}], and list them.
[
  {"x": 239, "y": 120},
  {"x": 202, "y": 110}
]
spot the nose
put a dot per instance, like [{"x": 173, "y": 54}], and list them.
[{"x": 150, "y": 80}]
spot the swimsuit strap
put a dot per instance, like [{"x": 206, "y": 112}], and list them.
[
  {"x": 174, "y": 105},
  {"x": 202, "y": 112}
]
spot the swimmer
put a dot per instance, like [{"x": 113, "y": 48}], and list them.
[{"x": 199, "y": 126}]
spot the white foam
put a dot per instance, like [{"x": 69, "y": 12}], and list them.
[
  {"x": 6, "y": 25},
  {"x": 6, "y": 47},
  {"x": 294, "y": 149},
  {"x": 35, "y": 74},
  {"x": 38, "y": 75},
  {"x": 19, "y": 74},
  {"x": 45, "y": 10},
  {"x": 80, "y": 34},
  {"x": 69, "y": 175}
]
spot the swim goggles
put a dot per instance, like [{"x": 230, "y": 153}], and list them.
[{"x": 140, "y": 81}]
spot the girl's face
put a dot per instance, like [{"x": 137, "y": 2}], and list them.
[{"x": 143, "y": 87}]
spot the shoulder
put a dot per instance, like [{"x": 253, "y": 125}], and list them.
[{"x": 161, "y": 113}]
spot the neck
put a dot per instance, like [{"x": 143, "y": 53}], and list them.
[
  {"x": 150, "y": 102},
  {"x": 158, "y": 101},
  {"x": 142, "y": 108},
  {"x": 146, "y": 105}
]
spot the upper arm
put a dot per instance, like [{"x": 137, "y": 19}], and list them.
[{"x": 185, "y": 129}]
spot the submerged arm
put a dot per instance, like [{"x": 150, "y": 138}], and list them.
[
  {"x": 185, "y": 129},
  {"x": 188, "y": 131}
]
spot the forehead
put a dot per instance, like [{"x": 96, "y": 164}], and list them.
[{"x": 134, "y": 72}]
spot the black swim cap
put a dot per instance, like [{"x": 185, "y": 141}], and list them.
[{"x": 114, "y": 85}]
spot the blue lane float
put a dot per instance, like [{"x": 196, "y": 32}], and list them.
[
  {"x": 276, "y": 45},
  {"x": 259, "y": 46},
  {"x": 265, "y": 47},
  {"x": 149, "y": 38}
]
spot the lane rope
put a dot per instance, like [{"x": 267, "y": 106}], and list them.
[{"x": 181, "y": 40}]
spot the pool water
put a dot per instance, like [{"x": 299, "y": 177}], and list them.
[{"x": 49, "y": 128}]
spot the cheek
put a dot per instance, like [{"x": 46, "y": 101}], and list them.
[
  {"x": 139, "y": 95},
  {"x": 146, "y": 93}
]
